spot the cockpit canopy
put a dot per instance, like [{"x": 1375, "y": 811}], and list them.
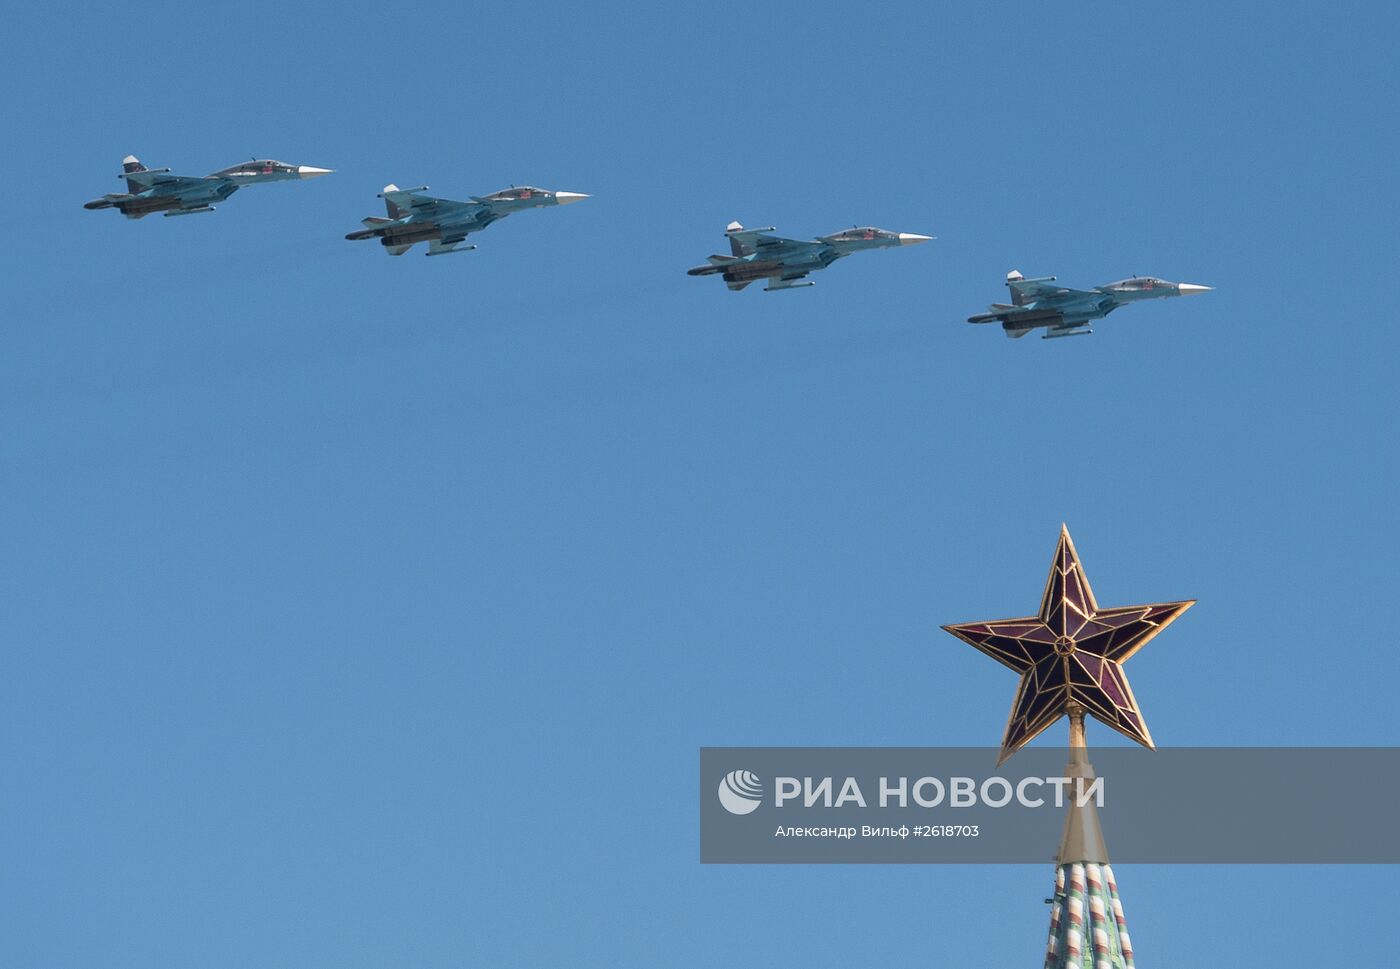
[
  {"x": 861, "y": 234},
  {"x": 518, "y": 193},
  {"x": 1140, "y": 283},
  {"x": 258, "y": 166}
]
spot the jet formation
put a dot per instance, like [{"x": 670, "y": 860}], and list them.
[
  {"x": 785, "y": 263},
  {"x": 157, "y": 190},
  {"x": 1068, "y": 312},
  {"x": 443, "y": 223}
]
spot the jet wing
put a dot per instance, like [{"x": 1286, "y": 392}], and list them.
[
  {"x": 164, "y": 181},
  {"x": 413, "y": 202},
  {"x": 762, "y": 243},
  {"x": 1025, "y": 291},
  {"x": 751, "y": 240},
  {"x": 1001, "y": 313}
]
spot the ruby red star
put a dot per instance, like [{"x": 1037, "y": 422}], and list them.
[{"x": 1071, "y": 652}]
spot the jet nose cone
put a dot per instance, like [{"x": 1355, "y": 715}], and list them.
[
  {"x": 564, "y": 198},
  {"x": 306, "y": 171},
  {"x": 910, "y": 238},
  {"x": 1186, "y": 289}
]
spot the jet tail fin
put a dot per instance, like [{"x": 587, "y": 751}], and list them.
[
  {"x": 132, "y": 164},
  {"x": 735, "y": 246},
  {"x": 395, "y": 210}
]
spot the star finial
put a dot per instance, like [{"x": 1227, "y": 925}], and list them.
[{"x": 1071, "y": 652}]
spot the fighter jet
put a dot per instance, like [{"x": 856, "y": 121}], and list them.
[
  {"x": 159, "y": 191},
  {"x": 785, "y": 263},
  {"x": 1068, "y": 312},
  {"x": 442, "y": 223}
]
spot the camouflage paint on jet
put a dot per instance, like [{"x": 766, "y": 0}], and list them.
[
  {"x": 1068, "y": 312},
  {"x": 785, "y": 263},
  {"x": 443, "y": 223},
  {"x": 157, "y": 190}
]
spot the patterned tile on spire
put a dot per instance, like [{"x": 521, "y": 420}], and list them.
[{"x": 1087, "y": 927}]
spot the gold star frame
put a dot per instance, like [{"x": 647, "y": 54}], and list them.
[{"x": 1071, "y": 652}]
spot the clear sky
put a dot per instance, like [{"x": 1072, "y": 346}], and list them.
[{"x": 365, "y": 612}]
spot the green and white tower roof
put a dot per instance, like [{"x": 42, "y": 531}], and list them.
[{"x": 1087, "y": 928}]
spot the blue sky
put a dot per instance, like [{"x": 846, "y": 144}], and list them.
[{"x": 368, "y": 612}]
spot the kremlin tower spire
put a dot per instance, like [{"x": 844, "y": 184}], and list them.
[
  {"x": 1087, "y": 927},
  {"x": 1070, "y": 657}
]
